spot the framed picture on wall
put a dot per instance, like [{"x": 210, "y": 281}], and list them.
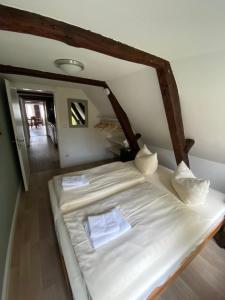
[{"x": 78, "y": 113}]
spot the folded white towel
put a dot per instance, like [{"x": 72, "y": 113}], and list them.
[
  {"x": 103, "y": 224},
  {"x": 123, "y": 226},
  {"x": 71, "y": 182}
]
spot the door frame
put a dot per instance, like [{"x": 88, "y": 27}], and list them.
[{"x": 20, "y": 141}]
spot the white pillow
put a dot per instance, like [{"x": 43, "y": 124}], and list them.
[
  {"x": 191, "y": 190},
  {"x": 146, "y": 162},
  {"x": 143, "y": 151}
]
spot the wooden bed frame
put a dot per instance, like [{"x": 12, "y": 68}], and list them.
[{"x": 159, "y": 290}]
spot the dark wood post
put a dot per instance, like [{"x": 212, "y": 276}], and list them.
[
  {"x": 173, "y": 113},
  {"x": 124, "y": 121}
]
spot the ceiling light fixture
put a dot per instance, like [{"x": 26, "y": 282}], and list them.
[{"x": 69, "y": 66}]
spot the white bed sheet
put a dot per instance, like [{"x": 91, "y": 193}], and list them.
[
  {"x": 213, "y": 213},
  {"x": 103, "y": 181},
  {"x": 131, "y": 264}
]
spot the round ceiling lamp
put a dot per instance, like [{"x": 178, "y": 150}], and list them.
[{"x": 69, "y": 66}]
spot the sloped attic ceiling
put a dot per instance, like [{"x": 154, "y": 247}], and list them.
[
  {"x": 170, "y": 29},
  {"x": 23, "y": 50},
  {"x": 138, "y": 93},
  {"x": 175, "y": 30}
]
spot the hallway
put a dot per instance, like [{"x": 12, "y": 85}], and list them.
[{"x": 42, "y": 152}]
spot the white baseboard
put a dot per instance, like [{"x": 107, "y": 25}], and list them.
[{"x": 5, "y": 286}]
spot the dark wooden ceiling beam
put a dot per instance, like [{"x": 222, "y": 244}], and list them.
[
  {"x": 35, "y": 97},
  {"x": 173, "y": 112},
  {"x": 189, "y": 143},
  {"x": 124, "y": 122},
  {"x": 27, "y": 95},
  {"x": 6, "y": 69},
  {"x": 17, "y": 20},
  {"x": 33, "y": 92}
]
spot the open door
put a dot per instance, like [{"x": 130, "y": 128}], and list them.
[{"x": 20, "y": 141}]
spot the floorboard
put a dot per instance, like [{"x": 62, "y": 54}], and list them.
[
  {"x": 43, "y": 154},
  {"x": 37, "y": 273}
]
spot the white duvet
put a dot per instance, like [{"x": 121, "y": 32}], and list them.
[
  {"x": 103, "y": 181},
  {"x": 163, "y": 232}
]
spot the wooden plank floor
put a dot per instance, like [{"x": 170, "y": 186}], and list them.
[
  {"x": 43, "y": 153},
  {"x": 37, "y": 274}
]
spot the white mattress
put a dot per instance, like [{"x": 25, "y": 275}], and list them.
[
  {"x": 131, "y": 256},
  {"x": 103, "y": 181}
]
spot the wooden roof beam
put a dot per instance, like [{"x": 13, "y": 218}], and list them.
[
  {"x": 16, "y": 20},
  {"x": 6, "y": 69},
  {"x": 124, "y": 122},
  {"x": 120, "y": 113}
]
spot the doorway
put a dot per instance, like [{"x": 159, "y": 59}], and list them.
[
  {"x": 40, "y": 129},
  {"x": 35, "y": 113}
]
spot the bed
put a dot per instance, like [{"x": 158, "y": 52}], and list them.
[
  {"x": 143, "y": 260},
  {"x": 103, "y": 181}
]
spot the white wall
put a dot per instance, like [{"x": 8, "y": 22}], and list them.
[
  {"x": 201, "y": 83},
  {"x": 76, "y": 145},
  {"x": 202, "y": 168},
  {"x": 100, "y": 100},
  {"x": 30, "y": 111},
  {"x": 140, "y": 96}
]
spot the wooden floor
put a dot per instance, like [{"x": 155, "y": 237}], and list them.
[
  {"x": 36, "y": 271},
  {"x": 43, "y": 153}
]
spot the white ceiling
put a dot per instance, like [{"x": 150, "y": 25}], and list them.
[
  {"x": 33, "y": 52},
  {"x": 171, "y": 29}
]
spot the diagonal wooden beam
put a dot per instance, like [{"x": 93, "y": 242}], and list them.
[
  {"x": 16, "y": 20},
  {"x": 120, "y": 113},
  {"x": 6, "y": 69},
  {"x": 173, "y": 113},
  {"x": 188, "y": 145},
  {"x": 124, "y": 122}
]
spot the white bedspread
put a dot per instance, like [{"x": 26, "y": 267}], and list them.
[
  {"x": 164, "y": 231},
  {"x": 103, "y": 181},
  {"x": 214, "y": 207}
]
